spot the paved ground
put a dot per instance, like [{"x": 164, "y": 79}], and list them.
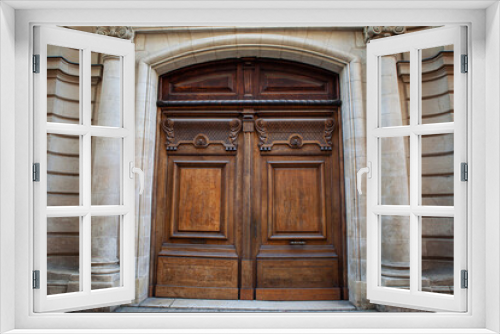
[{"x": 158, "y": 305}]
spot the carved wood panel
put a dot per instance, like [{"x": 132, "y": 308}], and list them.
[
  {"x": 200, "y": 133},
  {"x": 295, "y": 133}
]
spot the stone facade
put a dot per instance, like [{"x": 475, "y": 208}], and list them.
[{"x": 342, "y": 50}]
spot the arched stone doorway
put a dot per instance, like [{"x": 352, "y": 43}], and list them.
[
  {"x": 249, "y": 183},
  {"x": 337, "y": 56}
]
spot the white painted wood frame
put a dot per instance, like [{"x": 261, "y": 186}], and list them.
[
  {"x": 85, "y": 298},
  {"x": 484, "y": 211},
  {"x": 415, "y": 297}
]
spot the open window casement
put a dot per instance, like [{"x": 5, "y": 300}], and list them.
[
  {"x": 416, "y": 187},
  {"x": 83, "y": 168}
]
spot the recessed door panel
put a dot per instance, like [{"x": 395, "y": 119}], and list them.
[
  {"x": 199, "y": 199},
  {"x": 192, "y": 277},
  {"x": 316, "y": 273},
  {"x": 296, "y": 200}
]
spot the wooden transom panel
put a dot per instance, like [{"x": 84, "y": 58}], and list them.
[
  {"x": 273, "y": 81},
  {"x": 249, "y": 78},
  {"x": 296, "y": 199},
  {"x": 202, "y": 82}
]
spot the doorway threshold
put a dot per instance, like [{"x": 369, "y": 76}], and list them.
[{"x": 161, "y": 305}]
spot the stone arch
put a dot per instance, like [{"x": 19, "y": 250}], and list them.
[
  {"x": 237, "y": 45},
  {"x": 250, "y": 45}
]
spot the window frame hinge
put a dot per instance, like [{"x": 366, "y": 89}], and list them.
[
  {"x": 464, "y": 277},
  {"x": 36, "y": 172},
  {"x": 36, "y": 279},
  {"x": 465, "y": 64},
  {"x": 464, "y": 171},
  {"x": 36, "y": 63}
]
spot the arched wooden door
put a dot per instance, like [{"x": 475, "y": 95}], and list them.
[{"x": 249, "y": 183}]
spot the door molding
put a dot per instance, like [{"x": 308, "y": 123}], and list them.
[
  {"x": 191, "y": 130},
  {"x": 279, "y": 45}
]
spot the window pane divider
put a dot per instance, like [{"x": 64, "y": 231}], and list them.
[
  {"x": 392, "y": 210},
  {"x": 82, "y": 130},
  {"x": 80, "y": 211},
  {"x": 396, "y": 131},
  {"x": 85, "y": 246},
  {"x": 110, "y": 132},
  {"x": 424, "y": 129},
  {"x": 109, "y": 210},
  {"x": 418, "y": 210},
  {"x": 433, "y": 129},
  {"x": 414, "y": 168},
  {"x": 67, "y": 129},
  {"x": 433, "y": 211},
  {"x": 67, "y": 211}
]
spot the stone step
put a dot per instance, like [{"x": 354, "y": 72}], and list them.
[{"x": 160, "y": 305}]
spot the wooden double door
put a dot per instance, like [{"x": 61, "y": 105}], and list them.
[{"x": 249, "y": 192}]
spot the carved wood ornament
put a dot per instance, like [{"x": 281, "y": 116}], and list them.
[
  {"x": 295, "y": 133},
  {"x": 214, "y": 131}
]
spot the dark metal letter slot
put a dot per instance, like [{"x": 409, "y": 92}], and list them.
[{"x": 297, "y": 242}]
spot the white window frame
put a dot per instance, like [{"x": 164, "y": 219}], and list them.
[
  {"x": 86, "y": 44},
  {"x": 482, "y": 316},
  {"x": 413, "y": 44}
]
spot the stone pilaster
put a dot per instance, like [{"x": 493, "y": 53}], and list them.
[
  {"x": 395, "y": 243},
  {"x": 106, "y": 165}
]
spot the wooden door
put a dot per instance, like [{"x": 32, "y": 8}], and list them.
[
  {"x": 197, "y": 255},
  {"x": 249, "y": 199},
  {"x": 299, "y": 256}
]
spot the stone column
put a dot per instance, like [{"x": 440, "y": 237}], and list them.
[
  {"x": 106, "y": 165},
  {"x": 395, "y": 243}
]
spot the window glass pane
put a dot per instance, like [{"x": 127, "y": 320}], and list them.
[
  {"x": 63, "y": 255},
  {"x": 395, "y": 90},
  {"x": 106, "y": 235},
  {"x": 437, "y": 85},
  {"x": 395, "y": 251},
  {"x": 63, "y": 170},
  {"x": 106, "y": 170},
  {"x": 437, "y": 254},
  {"x": 106, "y": 90},
  {"x": 63, "y": 84},
  {"x": 394, "y": 171},
  {"x": 437, "y": 170}
]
